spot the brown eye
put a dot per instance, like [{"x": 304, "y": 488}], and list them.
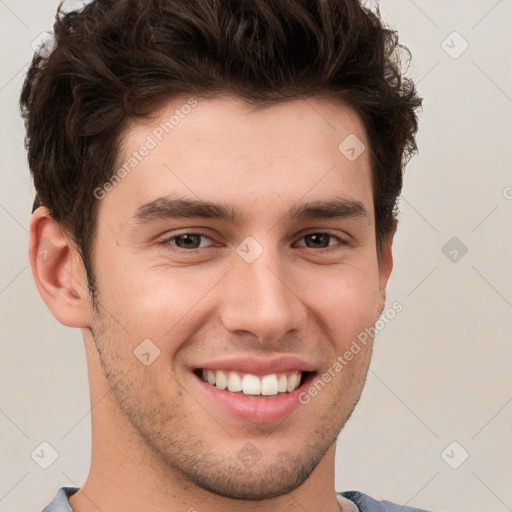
[
  {"x": 188, "y": 241},
  {"x": 317, "y": 240}
]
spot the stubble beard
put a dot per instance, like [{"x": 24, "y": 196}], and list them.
[{"x": 178, "y": 452}]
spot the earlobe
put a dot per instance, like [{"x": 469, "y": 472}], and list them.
[{"x": 58, "y": 271}]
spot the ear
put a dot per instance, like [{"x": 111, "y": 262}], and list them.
[
  {"x": 385, "y": 266},
  {"x": 58, "y": 271}
]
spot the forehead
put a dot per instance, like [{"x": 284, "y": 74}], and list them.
[{"x": 224, "y": 148}]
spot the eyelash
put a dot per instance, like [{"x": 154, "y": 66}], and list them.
[
  {"x": 167, "y": 242},
  {"x": 167, "y": 245}
]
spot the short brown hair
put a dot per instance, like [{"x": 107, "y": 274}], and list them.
[{"x": 118, "y": 59}]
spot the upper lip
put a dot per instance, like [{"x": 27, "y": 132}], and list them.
[{"x": 259, "y": 365}]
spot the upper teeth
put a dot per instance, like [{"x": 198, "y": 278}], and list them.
[{"x": 250, "y": 384}]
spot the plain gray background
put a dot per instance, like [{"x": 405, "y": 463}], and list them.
[{"x": 441, "y": 369}]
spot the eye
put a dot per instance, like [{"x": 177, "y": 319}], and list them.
[
  {"x": 320, "y": 240},
  {"x": 188, "y": 241}
]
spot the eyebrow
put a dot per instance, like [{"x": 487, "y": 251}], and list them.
[
  {"x": 338, "y": 208},
  {"x": 174, "y": 208},
  {"x": 164, "y": 208}
]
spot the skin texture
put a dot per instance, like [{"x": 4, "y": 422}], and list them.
[{"x": 159, "y": 441}]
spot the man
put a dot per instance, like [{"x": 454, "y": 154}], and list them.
[{"x": 216, "y": 187}]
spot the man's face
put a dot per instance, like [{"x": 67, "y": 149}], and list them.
[{"x": 262, "y": 288}]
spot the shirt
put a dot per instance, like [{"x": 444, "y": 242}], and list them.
[{"x": 360, "y": 502}]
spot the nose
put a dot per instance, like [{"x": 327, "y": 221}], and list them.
[{"x": 259, "y": 298}]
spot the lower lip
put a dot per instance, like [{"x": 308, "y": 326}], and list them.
[{"x": 256, "y": 410}]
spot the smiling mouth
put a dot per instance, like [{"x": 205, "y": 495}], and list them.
[{"x": 250, "y": 385}]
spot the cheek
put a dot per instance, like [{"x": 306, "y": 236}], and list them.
[
  {"x": 156, "y": 303},
  {"x": 346, "y": 299}
]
